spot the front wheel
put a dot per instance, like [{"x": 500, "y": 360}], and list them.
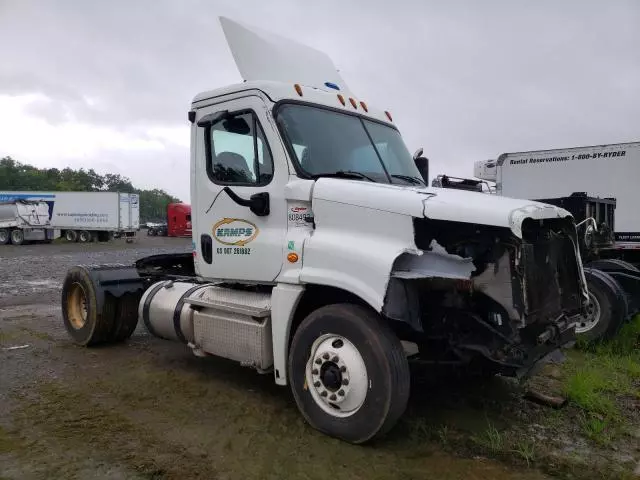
[
  {"x": 607, "y": 307},
  {"x": 349, "y": 373}
]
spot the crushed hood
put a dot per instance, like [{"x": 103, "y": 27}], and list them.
[{"x": 436, "y": 203}]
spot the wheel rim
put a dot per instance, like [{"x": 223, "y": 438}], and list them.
[
  {"x": 336, "y": 376},
  {"x": 77, "y": 306},
  {"x": 591, "y": 317}
]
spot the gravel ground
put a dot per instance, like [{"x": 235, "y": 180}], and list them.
[
  {"x": 149, "y": 409},
  {"x": 34, "y": 273}
]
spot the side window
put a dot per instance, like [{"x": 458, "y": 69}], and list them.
[{"x": 237, "y": 151}]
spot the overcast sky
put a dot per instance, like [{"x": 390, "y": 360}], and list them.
[{"x": 107, "y": 85}]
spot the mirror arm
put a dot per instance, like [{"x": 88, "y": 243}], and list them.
[{"x": 258, "y": 203}]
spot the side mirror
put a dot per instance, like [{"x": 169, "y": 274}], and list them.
[
  {"x": 418, "y": 153},
  {"x": 423, "y": 167},
  {"x": 258, "y": 203}
]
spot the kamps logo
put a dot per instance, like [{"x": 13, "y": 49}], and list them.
[{"x": 234, "y": 231}]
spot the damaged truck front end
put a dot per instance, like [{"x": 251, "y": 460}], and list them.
[{"x": 500, "y": 298}]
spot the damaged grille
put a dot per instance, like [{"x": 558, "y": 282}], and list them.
[{"x": 549, "y": 271}]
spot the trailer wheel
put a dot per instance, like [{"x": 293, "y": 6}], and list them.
[
  {"x": 348, "y": 373},
  {"x": 84, "y": 236},
  {"x": 85, "y": 324},
  {"x": 71, "y": 236},
  {"x": 17, "y": 237},
  {"x": 607, "y": 308},
  {"x": 4, "y": 236}
]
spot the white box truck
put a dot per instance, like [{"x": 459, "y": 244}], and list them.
[{"x": 77, "y": 216}]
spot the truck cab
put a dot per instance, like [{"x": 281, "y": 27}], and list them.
[{"x": 320, "y": 255}]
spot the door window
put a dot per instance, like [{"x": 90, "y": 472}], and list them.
[{"x": 237, "y": 152}]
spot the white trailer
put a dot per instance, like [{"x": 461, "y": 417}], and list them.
[
  {"x": 601, "y": 171},
  {"x": 77, "y": 216}
]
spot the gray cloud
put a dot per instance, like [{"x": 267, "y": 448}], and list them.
[{"x": 467, "y": 80}]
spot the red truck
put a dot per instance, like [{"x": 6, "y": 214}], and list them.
[{"x": 178, "y": 222}]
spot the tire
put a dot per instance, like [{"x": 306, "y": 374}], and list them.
[
  {"x": 607, "y": 310},
  {"x": 613, "y": 264},
  {"x": 4, "y": 236},
  {"x": 373, "y": 365},
  {"x": 17, "y": 237},
  {"x": 84, "y": 236},
  {"x": 152, "y": 232},
  {"x": 71, "y": 236},
  {"x": 85, "y": 325},
  {"x": 126, "y": 318}
]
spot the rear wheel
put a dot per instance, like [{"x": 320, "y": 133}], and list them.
[
  {"x": 84, "y": 236},
  {"x": 4, "y": 236},
  {"x": 126, "y": 318},
  {"x": 607, "y": 307},
  {"x": 86, "y": 325},
  {"x": 71, "y": 236},
  {"x": 613, "y": 264},
  {"x": 17, "y": 237},
  {"x": 349, "y": 373}
]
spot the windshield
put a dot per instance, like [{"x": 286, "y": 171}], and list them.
[{"x": 326, "y": 142}]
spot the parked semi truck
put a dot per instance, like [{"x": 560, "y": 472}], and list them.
[
  {"x": 22, "y": 220},
  {"x": 597, "y": 185},
  {"x": 178, "y": 222},
  {"x": 76, "y": 216},
  {"x": 322, "y": 258}
]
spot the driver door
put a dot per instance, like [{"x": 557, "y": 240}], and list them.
[{"x": 238, "y": 156}]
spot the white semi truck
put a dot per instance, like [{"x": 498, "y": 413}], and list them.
[
  {"x": 76, "y": 216},
  {"x": 22, "y": 220},
  {"x": 322, "y": 258}
]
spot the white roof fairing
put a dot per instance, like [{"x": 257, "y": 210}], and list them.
[
  {"x": 262, "y": 55},
  {"x": 272, "y": 64}
]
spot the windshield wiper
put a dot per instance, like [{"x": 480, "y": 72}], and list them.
[
  {"x": 407, "y": 178},
  {"x": 344, "y": 174}
]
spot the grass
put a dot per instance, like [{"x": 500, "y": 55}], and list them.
[
  {"x": 525, "y": 449},
  {"x": 491, "y": 439},
  {"x": 599, "y": 375}
]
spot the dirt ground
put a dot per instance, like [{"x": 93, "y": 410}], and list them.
[{"x": 149, "y": 409}]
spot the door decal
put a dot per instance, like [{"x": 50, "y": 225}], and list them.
[{"x": 235, "y": 231}]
